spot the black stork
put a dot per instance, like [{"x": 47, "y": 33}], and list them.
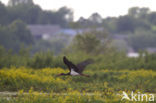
[{"x": 76, "y": 69}]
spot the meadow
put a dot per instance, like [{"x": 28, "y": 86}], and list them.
[
  {"x": 43, "y": 86},
  {"x": 30, "y": 62}
]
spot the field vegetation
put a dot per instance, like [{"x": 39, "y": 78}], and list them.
[{"x": 40, "y": 86}]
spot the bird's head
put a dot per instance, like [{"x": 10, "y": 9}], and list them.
[{"x": 64, "y": 57}]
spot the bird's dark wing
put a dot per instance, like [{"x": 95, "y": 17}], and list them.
[
  {"x": 70, "y": 64},
  {"x": 83, "y": 64}
]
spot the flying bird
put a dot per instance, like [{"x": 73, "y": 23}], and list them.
[{"x": 76, "y": 69}]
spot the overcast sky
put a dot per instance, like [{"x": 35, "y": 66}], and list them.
[{"x": 104, "y": 7}]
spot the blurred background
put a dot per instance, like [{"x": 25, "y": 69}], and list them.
[{"x": 38, "y": 34}]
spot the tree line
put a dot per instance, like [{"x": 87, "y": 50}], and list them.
[
  {"x": 138, "y": 24},
  {"x": 31, "y": 13}
]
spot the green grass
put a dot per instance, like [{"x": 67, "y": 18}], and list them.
[{"x": 104, "y": 85}]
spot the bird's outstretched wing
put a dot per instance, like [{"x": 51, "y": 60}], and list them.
[
  {"x": 81, "y": 66},
  {"x": 70, "y": 64}
]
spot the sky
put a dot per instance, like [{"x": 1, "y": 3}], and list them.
[{"x": 106, "y": 8}]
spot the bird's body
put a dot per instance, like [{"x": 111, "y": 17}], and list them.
[
  {"x": 76, "y": 70},
  {"x": 73, "y": 73}
]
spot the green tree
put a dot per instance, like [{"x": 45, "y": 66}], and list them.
[
  {"x": 21, "y": 32},
  {"x": 28, "y": 13},
  {"x": 137, "y": 12},
  {"x": 63, "y": 16},
  {"x": 6, "y": 38},
  {"x": 15, "y": 35},
  {"x": 142, "y": 39},
  {"x": 96, "y": 18},
  {"x": 3, "y": 14},
  {"x": 33, "y": 14},
  {"x": 93, "y": 42},
  {"x": 152, "y": 18},
  {"x": 126, "y": 24},
  {"x": 133, "y": 12},
  {"x": 86, "y": 42},
  {"x": 110, "y": 24},
  {"x": 17, "y": 2}
]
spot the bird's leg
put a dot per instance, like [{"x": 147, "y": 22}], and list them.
[{"x": 85, "y": 75}]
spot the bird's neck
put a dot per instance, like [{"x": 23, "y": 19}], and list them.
[{"x": 67, "y": 73}]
